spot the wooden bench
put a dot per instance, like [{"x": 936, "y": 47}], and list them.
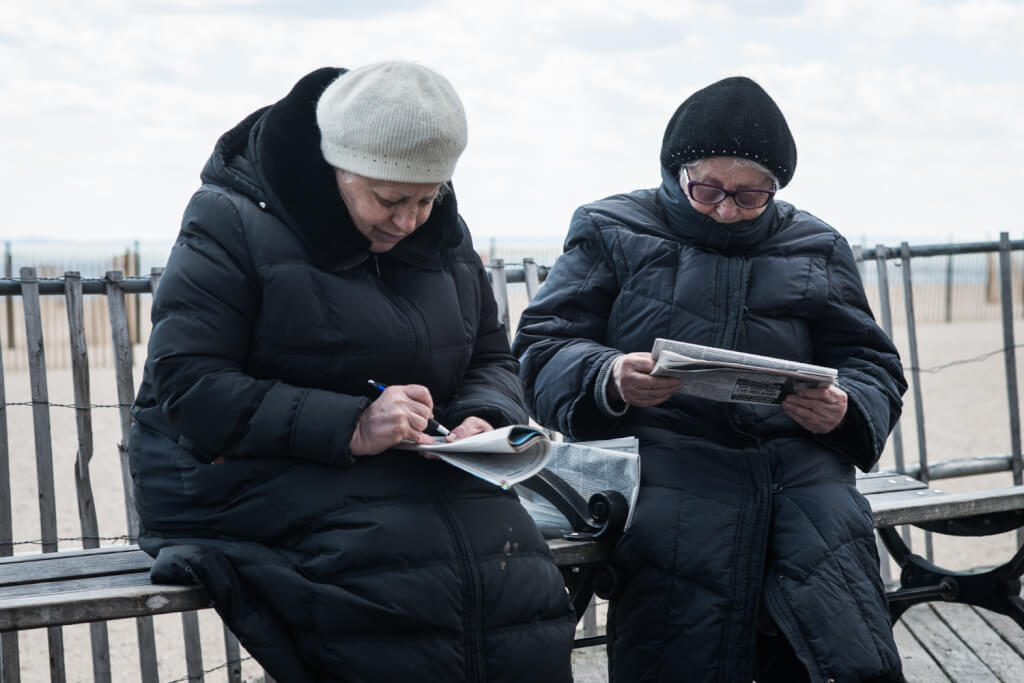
[
  {"x": 68, "y": 587},
  {"x": 91, "y": 584}
]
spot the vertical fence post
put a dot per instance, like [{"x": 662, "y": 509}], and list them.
[
  {"x": 885, "y": 304},
  {"x": 9, "y": 273},
  {"x": 915, "y": 374},
  {"x": 137, "y": 271},
  {"x": 886, "y": 309},
  {"x": 10, "y": 657},
  {"x": 1006, "y": 291},
  {"x": 499, "y": 285},
  {"x": 949, "y": 288}
]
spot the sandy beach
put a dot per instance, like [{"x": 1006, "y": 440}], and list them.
[{"x": 964, "y": 412}]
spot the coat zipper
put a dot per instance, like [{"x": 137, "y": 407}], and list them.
[
  {"x": 413, "y": 316},
  {"x": 472, "y": 601}
]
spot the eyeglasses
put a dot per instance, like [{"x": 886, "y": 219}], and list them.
[{"x": 703, "y": 193}]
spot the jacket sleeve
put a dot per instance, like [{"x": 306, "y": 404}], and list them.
[
  {"x": 560, "y": 340},
  {"x": 847, "y": 338},
  {"x": 490, "y": 388},
  {"x": 204, "y": 309}
]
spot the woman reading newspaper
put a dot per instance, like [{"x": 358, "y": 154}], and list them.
[
  {"x": 751, "y": 554},
  {"x": 323, "y": 250}
]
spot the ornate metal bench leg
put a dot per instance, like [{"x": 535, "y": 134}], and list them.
[{"x": 997, "y": 590}]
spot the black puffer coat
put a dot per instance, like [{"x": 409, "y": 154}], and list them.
[
  {"x": 739, "y": 506},
  {"x": 270, "y": 317}
]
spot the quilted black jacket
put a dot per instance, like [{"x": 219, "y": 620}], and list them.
[
  {"x": 270, "y": 318},
  {"x": 740, "y": 508}
]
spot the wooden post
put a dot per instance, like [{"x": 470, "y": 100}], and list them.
[
  {"x": 125, "y": 388},
  {"x": 125, "y": 395},
  {"x": 83, "y": 483},
  {"x": 44, "y": 445}
]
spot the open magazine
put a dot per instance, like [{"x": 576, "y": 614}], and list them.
[
  {"x": 504, "y": 456},
  {"x": 588, "y": 467},
  {"x": 732, "y": 376}
]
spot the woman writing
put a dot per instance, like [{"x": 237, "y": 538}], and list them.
[{"x": 325, "y": 249}]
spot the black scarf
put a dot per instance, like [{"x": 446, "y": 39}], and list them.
[{"x": 692, "y": 226}]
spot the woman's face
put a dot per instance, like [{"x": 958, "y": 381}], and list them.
[
  {"x": 729, "y": 174},
  {"x": 385, "y": 212}
]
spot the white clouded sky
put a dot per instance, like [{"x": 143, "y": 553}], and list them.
[{"x": 908, "y": 114}]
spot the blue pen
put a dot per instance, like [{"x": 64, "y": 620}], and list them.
[{"x": 432, "y": 425}]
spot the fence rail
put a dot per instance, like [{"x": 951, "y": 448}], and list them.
[{"x": 892, "y": 279}]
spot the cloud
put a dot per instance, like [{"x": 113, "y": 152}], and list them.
[{"x": 110, "y": 107}]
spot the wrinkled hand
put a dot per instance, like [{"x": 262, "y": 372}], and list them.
[
  {"x": 399, "y": 414},
  {"x": 632, "y": 382},
  {"x": 818, "y": 409},
  {"x": 469, "y": 427}
]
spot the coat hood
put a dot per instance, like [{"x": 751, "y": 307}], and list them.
[{"x": 273, "y": 157}]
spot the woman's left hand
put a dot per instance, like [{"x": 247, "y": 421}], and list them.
[
  {"x": 469, "y": 427},
  {"x": 818, "y": 409}
]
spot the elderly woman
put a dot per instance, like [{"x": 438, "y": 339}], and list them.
[
  {"x": 751, "y": 553},
  {"x": 324, "y": 249}
]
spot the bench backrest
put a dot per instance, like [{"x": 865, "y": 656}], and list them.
[{"x": 80, "y": 518}]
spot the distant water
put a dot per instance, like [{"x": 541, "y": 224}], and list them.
[{"x": 94, "y": 258}]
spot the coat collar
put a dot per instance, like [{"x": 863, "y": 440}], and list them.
[{"x": 689, "y": 224}]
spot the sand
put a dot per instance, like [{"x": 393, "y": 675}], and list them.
[{"x": 964, "y": 414}]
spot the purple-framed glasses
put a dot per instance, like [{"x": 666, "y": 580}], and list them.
[{"x": 703, "y": 193}]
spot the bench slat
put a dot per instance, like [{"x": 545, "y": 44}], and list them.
[
  {"x": 891, "y": 509},
  {"x": 29, "y": 569},
  {"x": 100, "y": 604},
  {"x": 883, "y": 482}
]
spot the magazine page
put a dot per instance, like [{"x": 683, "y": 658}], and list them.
[
  {"x": 613, "y": 465},
  {"x": 503, "y": 456}
]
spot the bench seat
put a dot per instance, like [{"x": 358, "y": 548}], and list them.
[{"x": 75, "y": 586}]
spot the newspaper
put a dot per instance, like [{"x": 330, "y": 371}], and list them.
[
  {"x": 732, "y": 376},
  {"x": 588, "y": 467},
  {"x": 503, "y": 457}
]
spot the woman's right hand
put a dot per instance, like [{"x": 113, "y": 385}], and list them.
[
  {"x": 632, "y": 382},
  {"x": 399, "y": 414}
]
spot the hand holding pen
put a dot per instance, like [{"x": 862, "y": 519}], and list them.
[
  {"x": 399, "y": 413},
  {"x": 377, "y": 390}
]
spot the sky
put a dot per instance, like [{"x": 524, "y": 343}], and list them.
[{"x": 908, "y": 115}]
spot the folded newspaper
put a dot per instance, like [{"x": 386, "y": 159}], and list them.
[
  {"x": 504, "y": 456},
  {"x": 588, "y": 467},
  {"x": 732, "y": 376}
]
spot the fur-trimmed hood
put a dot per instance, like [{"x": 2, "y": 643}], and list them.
[{"x": 273, "y": 157}]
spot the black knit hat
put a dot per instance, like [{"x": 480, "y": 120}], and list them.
[{"x": 734, "y": 117}]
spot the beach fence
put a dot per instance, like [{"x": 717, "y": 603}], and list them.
[
  {"x": 51, "y": 263},
  {"x": 952, "y": 310},
  {"x": 951, "y": 283}
]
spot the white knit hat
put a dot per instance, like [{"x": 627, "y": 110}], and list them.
[{"x": 394, "y": 121}]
